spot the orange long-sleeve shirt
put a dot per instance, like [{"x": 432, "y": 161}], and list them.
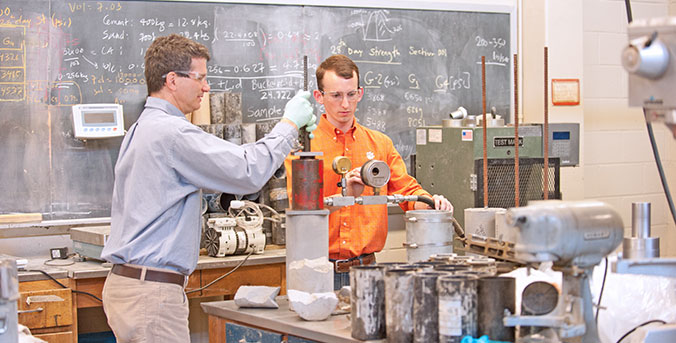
[{"x": 358, "y": 229}]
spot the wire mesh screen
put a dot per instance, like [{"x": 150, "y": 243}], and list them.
[{"x": 501, "y": 181}]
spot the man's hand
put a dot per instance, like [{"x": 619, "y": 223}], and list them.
[
  {"x": 440, "y": 203},
  {"x": 355, "y": 185},
  {"x": 299, "y": 111}
]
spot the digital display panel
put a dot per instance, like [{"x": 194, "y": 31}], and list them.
[
  {"x": 99, "y": 118},
  {"x": 561, "y": 135}
]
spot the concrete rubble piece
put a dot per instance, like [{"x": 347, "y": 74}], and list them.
[
  {"x": 257, "y": 296},
  {"x": 313, "y": 306}
]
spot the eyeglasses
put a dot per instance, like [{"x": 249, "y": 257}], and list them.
[
  {"x": 338, "y": 96},
  {"x": 190, "y": 74}
]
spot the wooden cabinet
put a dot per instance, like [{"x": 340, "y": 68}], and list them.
[{"x": 48, "y": 310}]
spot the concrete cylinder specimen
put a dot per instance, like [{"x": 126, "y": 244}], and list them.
[
  {"x": 399, "y": 305},
  {"x": 425, "y": 306},
  {"x": 428, "y": 232},
  {"x": 217, "y": 104},
  {"x": 368, "y": 302},
  {"x": 307, "y": 251},
  {"x": 495, "y": 295},
  {"x": 481, "y": 221},
  {"x": 457, "y": 308}
]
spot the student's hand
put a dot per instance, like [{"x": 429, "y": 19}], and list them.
[
  {"x": 299, "y": 111},
  {"x": 355, "y": 185},
  {"x": 440, "y": 203}
]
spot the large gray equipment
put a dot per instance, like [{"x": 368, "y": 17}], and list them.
[
  {"x": 575, "y": 236},
  {"x": 449, "y": 161}
]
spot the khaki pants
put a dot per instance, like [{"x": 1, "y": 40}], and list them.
[{"x": 145, "y": 311}]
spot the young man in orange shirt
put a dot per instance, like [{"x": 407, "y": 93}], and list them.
[{"x": 355, "y": 232}]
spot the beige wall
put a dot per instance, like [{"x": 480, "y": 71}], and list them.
[{"x": 585, "y": 38}]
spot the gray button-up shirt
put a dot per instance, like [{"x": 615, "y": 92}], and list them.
[{"x": 163, "y": 163}]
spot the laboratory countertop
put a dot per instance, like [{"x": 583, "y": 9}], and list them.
[
  {"x": 335, "y": 329},
  {"x": 61, "y": 269}
]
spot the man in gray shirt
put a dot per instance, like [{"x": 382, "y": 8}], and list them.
[{"x": 163, "y": 163}]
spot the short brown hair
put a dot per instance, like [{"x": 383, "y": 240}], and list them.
[
  {"x": 167, "y": 54},
  {"x": 342, "y": 65}
]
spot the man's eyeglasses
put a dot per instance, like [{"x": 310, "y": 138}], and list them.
[
  {"x": 190, "y": 74},
  {"x": 338, "y": 96}
]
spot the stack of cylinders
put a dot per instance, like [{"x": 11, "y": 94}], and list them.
[
  {"x": 367, "y": 302},
  {"x": 426, "y": 307},
  {"x": 399, "y": 304},
  {"x": 495, "y": 294},
  {"x": 457, "y": 307},
  {"x": 481, "y": 221}
]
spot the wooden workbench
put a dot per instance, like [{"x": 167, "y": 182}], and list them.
[
  {"x": 58, "y": 323},
  {"x": 229, "y": 323}
]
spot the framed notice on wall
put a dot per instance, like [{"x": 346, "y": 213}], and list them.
[{"x": 565, "y": 92}]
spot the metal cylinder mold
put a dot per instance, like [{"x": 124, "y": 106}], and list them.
[
  {"x": 426, "y": 307},
  {"x": 481, "y": 221},
  {"x": 368, "y": 302},
  {"x": 399, "y": 305},
  {"x": 457, "y": 308},
  {"x": 640, "y": 244},
  {"x": 495, "y": 295},
  {"x": 307, "y": 184},
  {"x": 428, "y": 232}
]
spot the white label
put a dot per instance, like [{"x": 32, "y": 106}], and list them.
[
  {"x": 421, "y": 136},
  {"x": 450, "y": 317},
  {"x": 435, "y": 135}
]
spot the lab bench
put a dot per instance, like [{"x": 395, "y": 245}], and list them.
[
  {"x": 53, "y": 309},
  {"x": 229, "y": 323}
]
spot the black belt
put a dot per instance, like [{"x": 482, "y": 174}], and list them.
[
  {"x": 343, "y": 266},
  {"x": 151, "y": 275}
]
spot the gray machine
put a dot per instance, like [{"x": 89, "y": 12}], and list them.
[
  {"x": 575, "y": 236},
  {"x": 449, "y": 161}
]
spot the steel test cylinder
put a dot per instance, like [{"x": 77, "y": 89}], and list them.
[
  {"x": 425, "y": 307},
  {"x": 457, "y": 308},
  {"x": 367, "y": 313},
  {"x": 495, "y": 295},
  {"x": 307, "y": 184},
  {"x": 399, "y": 304}
]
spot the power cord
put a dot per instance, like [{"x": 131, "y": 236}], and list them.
[
  {"x": 222, "y": 276},
  {"x": 603, "y": 284},
  {"x": 640, "y": 325},
  {"x": 64, "y": 286}
]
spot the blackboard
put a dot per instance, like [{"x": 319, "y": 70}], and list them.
[{"x": 416, "y": 67}]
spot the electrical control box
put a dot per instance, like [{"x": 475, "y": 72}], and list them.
[
  {"x": 564, "y": 143},
  {"x": 96, "y": 121}
]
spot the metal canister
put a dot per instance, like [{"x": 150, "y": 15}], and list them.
[
  {"x": 428, "y": 232},
  {"x": 495, "y": 295},
  {"x": 307, "y": 184},
  {"x": 399, "y": 304},
  {"x": 425, "y": 307},
  {"x": 368, "y": 302},
  {"x": 457, "y": 308}
]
